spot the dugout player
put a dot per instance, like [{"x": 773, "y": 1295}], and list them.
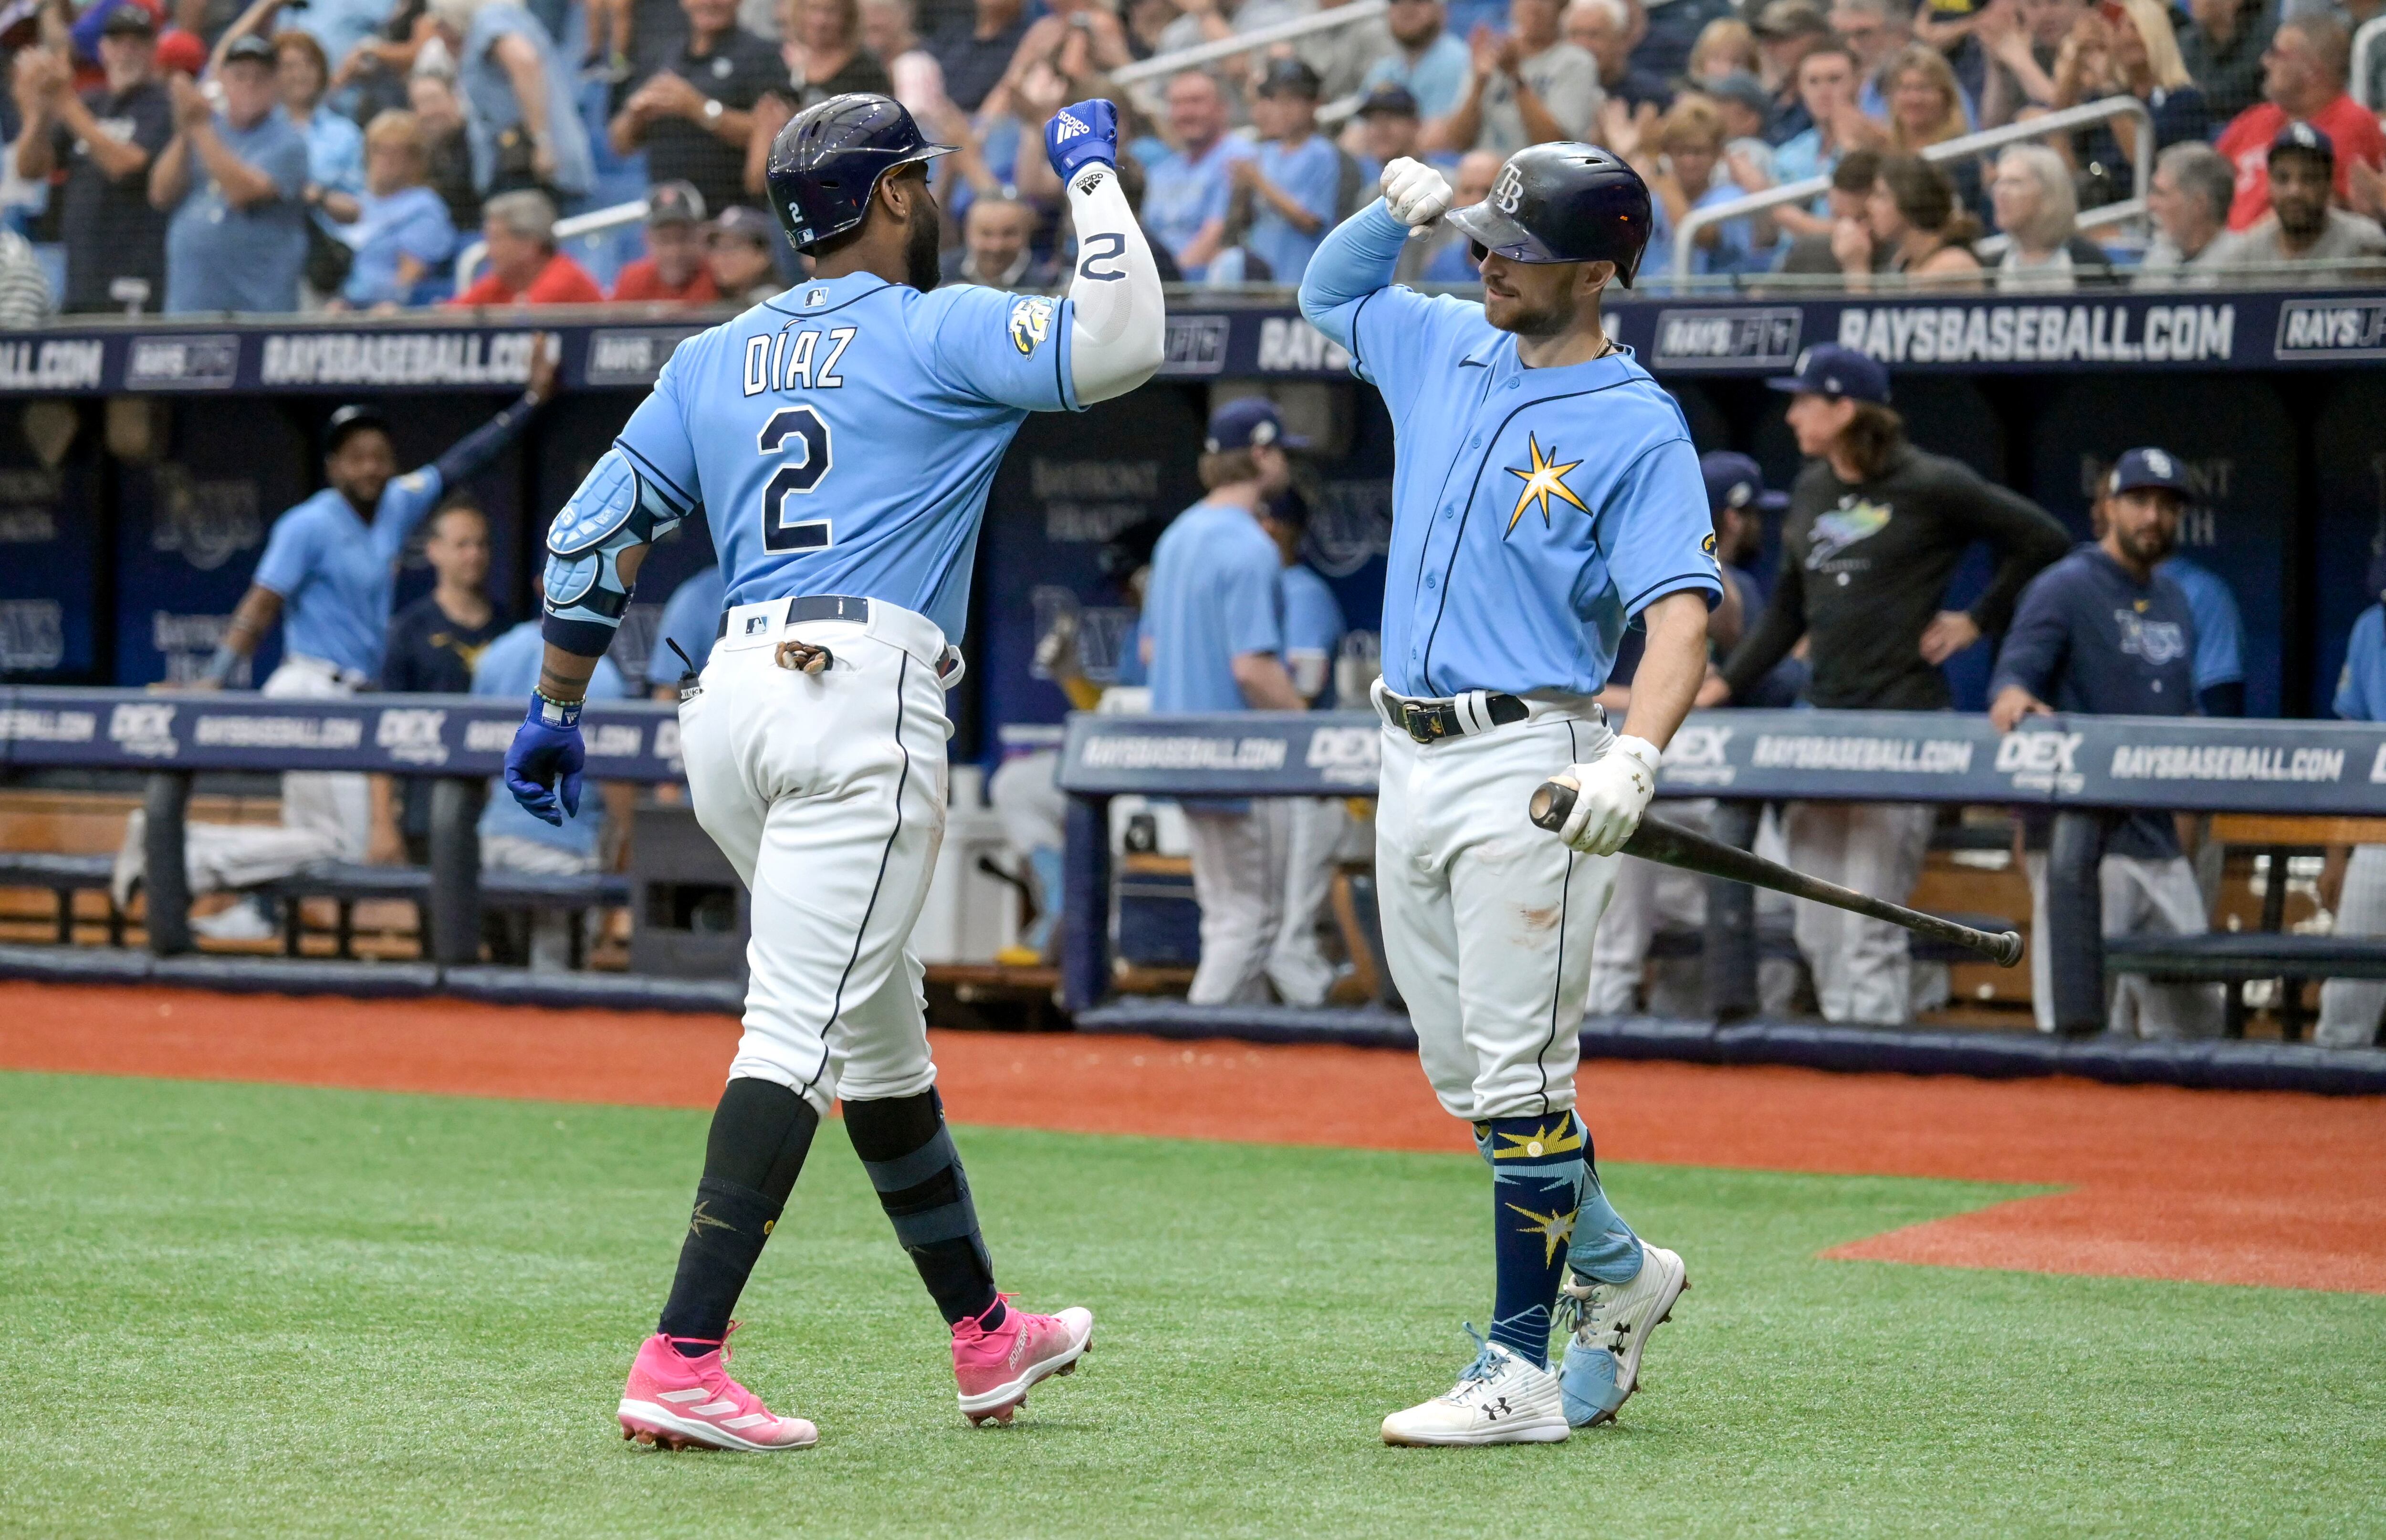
[
  {"x": 1313, "y": 638},
  {"x": 2349, "y": 1008},
  {"x": 841, "y": 437},
  {"x": 1545, "y": 492},
  {"x": 329, "y": 574},
  {"x": 433, "y": 644},
  {"x": 1875, "y": 530},
  {"x": 2104, "y": 633}
]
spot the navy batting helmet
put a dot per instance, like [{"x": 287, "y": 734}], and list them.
[
  {"x": 1563, "y": 202},
  {"x": 828, "y": 160}
]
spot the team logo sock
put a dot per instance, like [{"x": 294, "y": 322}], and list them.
[
  {"x": 1537, "y": 1165},
  {"x": 760, "y": 1134},
  {"x": 908, "y": 1153},
  {"x": 1604, "y": 1246}
]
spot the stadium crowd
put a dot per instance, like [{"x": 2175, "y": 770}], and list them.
[{"x": 189, "y": 155}]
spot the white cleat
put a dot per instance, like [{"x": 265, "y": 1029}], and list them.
[
  {"x": 1613, "y": 1322},
  {"x": 1500, "y": 1399}
]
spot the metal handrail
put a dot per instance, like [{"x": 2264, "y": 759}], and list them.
[
  {"x": 2079, "y": 117},
  {"x": 2371, "y": 37},
  {"x": 2090, "y": 218},
  {"x": 1182, "y": 59},
  {"x": 597, "y": 221}
]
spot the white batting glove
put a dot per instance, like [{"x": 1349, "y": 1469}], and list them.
[
  {"x": 1416, "y": 195},
  {"x": 1611, "y": 792}
]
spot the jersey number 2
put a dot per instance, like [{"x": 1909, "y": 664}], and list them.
[{"x": 799, "y": 432}]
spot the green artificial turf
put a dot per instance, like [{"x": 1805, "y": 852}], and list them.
[{"x": 260, "y": 1310}]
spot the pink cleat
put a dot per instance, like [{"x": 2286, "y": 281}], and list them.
[
  {"x": 676, "y": 1402},
  {"x": 996, "y": 1369}
]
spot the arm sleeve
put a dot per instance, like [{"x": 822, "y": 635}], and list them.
[
  {"x": 2028, "y": 539},
  {"x": 1118, "y": 319},
  {"x": 1351, "y": 266},
  {"x": 2034, "y": 648},
  {"x": 1775, "y": 633},
  {"x": 1657, "y": 531},
  {"x": 469, "y": 455},
  {"x": 1399, "y": 341},
  {"x": 289, "y": 556}
]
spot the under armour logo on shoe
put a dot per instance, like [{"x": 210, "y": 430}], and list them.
[
  {"x": 1498, "y": 1410},
  {"x": 1067, "y": 128}
]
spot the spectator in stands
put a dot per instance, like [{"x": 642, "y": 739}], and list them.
[
  {"x": 400, "y": 233},
  {"x": 2303, "y": 81},
  {"x": 448, "y": 149},
  {"x": 2301, "y": 226},
  {"x": 976, "y": 53},
  {"x": 1187, "y": 191},
  {"x": 683, "y": 638},
  {"x": 1724, "y": 48},
  {"x": 1343, "y": 55},
  {"x": 2222, "y": 45},
  {"x": 1445, "y": 255},
  {"x": 2023, "y": 38},
  {"x": 1875, "y": 32},
  {"x": 1299, "y": 183},
  {"x": 1525, "y": 88},
  {"x": 674, "y": 271},
  {"x": 522, "y": 111},
  {"x": 2349, "y": 1008},
  {"x": 1671, "y": 30},
  {"x": 1785, "y": 31},
  {"x": 918, "y": 79},
  {"x": 2038, "y": 212},
  {"x": 106, "y": 138},
  {"x": 524, "y": 267},
  {"x": 2102, "y": 632},
  {"x": 1826, "y": 86},
  {"x": 739, "y": 253},
  {"x": 234, "y": 181},
  {"x": 822, "y": 56},
  {"x": 1875, "y": 530},
  {"x": 1215, "y": 620},
  {"x": 1682, "y": 162},
  {"x": 1603, "y": 29},
  {"x": 1850, "y": 197},
  {"x": 1925, "y": 106},
  {"x": 434, "y": 643},
  {"x": 2133, "y": 54},
  {"x": 1424, "y": 60},
  {"x": 694, "y": 114},
  {"x": 1390, "y": 126},
  {"x": 1741, "y": 100},
  {"x": 1215, "y": 21},
  {"x": 998, "y": 249},
  {"x": 513, "y": 839},
  {"x": 335, "y": 147},
  {"x": 1313, "y": 639},
  {"x": 336, "y": 27},
  {"x": 2192, "y": 188},
  {"x": 1912, "y": 212}
]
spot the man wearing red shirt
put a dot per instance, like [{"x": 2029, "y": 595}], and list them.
[
  {"x": 524, "y": 267},
  {"x": 674, "y": 271},
  {"x": 2302, "y": 82}
]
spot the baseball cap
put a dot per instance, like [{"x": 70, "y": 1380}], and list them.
[
  {"x": 1248, "y": 423},
  {"x": 1741, "y": 87},
  {"x": 251, "y": 48},
  {"x": 1827, "y": 369},
  {"x": 351, "y": 419},
  {"x": 2140, "y": 469},
  {"x": 1388, "y": 98},
  {"x": 1786, "y": 18},
  {"x": 2307, "y": 138},
  {"x": 180, "y": 50},
  {"x": 675, "y": 202},
  {"x": 129, "y": 20},
  {"x": 1736, "y": 482},
  {"x": 749, "y": 224},
  {"x": 1291, "y": 77}
]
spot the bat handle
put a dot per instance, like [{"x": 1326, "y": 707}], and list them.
[{"x": 1553, "y": 803}]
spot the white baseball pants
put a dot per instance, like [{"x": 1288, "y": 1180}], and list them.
[
  {"x": 1313, "y": 828},
  {"x": 826, "y": 792},
  {"x": 1862, "y": 971},
  {"x": 1238, "y": 867},
  {"x": 2140, "y": 896},
  {"x": 2349, "y": 1008},
  {"x": 1487, "y": 920}
]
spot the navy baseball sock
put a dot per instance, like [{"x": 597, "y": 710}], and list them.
[
  {"x": 908, "y": 1153},
  {"x": 760, "y": 1134},
  {"x": 1536, "y": 1187}
]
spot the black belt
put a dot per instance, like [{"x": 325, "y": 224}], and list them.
[
  {"x": 1427, "y": 719},
  {"x": 813, "y": 606}
]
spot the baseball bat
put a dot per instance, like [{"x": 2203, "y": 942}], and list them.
[{"x": 1656, "y": 840}]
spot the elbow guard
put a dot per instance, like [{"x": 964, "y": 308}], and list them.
[{"x": 616, "y": 511}]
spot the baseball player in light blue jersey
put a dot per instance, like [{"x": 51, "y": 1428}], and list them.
[
  {"x": 1545, "y": 492},
  {"x": 2349, "y": 1008},
  {"x": 841, "y": 437},
  {"x": 1314, "y": 825},
  {"x": 691, "y": 619},
  {"x": 2219, "y": 638}
]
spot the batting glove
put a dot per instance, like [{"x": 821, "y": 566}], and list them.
[
  {"x": 547, "y": 757},
  {"x": 1088, "y": 131},
  {"x": 1611, "y": 792},
  {"x": 1415, "y": 193}
]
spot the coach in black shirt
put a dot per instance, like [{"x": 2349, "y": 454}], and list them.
[
  {"x": 693, "y": 114},
  {"x": 433, "y": 644},
  {"x": 104, "y": 139}
]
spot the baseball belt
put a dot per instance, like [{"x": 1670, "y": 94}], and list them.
[
  {"x": 1476, "y": 711},
  {"x": 811, "y": 658}
]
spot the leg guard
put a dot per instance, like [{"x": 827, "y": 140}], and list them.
[{"x": 908, "y": 1153}]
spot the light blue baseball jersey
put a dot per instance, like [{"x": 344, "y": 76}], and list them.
[
  {"x": 2219, "y": 629},
  {"x": 1214, "y": 596},
  {"x": 1312, "y": 621},
  {"x": 509, "y": 667},
  {"x": 692, "y": 619},
  {"x": 843, "y": 435},
  {"x": 1535, "y": 511},
  {"x": 2361, "y": 687},
  {"x": 337, "y": 575},
  {"x": 1309, "y": 173}
]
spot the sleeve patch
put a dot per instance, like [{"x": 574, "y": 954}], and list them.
[{"x": 1031, "y": 323}]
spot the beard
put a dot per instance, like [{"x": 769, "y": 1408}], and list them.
[
  {"x": 923, "y": 245},
  {"x": 2149, "y": 546}
]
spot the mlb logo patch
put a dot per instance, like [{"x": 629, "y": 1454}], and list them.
[
  {"x": 756, "y": 625},
  {"x": 818, "y": 296}
]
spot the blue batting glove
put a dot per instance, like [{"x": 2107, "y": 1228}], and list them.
[
  {"x": 1086, "y": 130},
  {"x": 545, "y": 757}
]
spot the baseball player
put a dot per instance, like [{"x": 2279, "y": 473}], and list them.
[
  {"x": 1313, "y": 636},
  {"x": 2104, "y": 631},
  {"x": 2349, "y": 1008},
  {"x": 684, "y": 635},
  {"x": 1545, "y": 492},
  {"x": 841, "y": 437}
]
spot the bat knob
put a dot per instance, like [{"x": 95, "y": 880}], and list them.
[
  {"x": 2008, "y": 949},
  {"x": 1553, "y": 803}
]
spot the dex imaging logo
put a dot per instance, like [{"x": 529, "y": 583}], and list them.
[
  {"x": 1345, "y": 755},
  {"x": 1696, "y": 758},
  {"x": 2040, "y": 761},
  {"x": 145, "y": 730},
  {"x": 412, "y": 736}
]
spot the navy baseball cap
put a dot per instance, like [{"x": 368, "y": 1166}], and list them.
[
  {"x": 350, "y": 420},
  {"x": 1741, "y": 87},
  {"x": 1389, "y": 98},
  {"x": 1290, "y": 78},
  {"x": 2303, "y": 137},
  {"x": 1248, "y": 423},
  {"x": 1827, "y": 369},
  {"x": 1734, "y": 481},
  {"x": 2137, "y": 470}
]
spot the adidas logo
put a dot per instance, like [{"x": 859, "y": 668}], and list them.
[
  {"x": 1068, "y": 128},
  {"x": 1090, "y": 180}
]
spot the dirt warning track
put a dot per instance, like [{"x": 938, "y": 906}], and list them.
[{"x": 2227, "y": 1188}]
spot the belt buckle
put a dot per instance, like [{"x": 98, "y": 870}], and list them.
[{"x": 1423, "y": 727}]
